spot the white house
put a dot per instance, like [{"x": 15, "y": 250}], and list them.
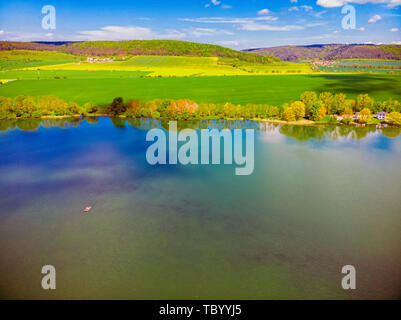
[{"x": 381, "y": 115}]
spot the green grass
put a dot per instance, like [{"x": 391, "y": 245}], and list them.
[
  {"x": 16, "y": 59},
  {"x": 69, "y": 74},
  {"x": 184, "y": 66},
  {"x": 271, "y": 89}
]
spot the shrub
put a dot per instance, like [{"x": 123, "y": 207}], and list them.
[
  {"x": 129, "y": 113},
  {"x": 298, "y": 108},
  {"x": 329, "y": 119},
  {"x": 163, "y": 108},
  {"x": 338, "y": 103},
  {"x": 364, "y": 101},
  {"x": 73, "y": 108},
  {"x": 326, "y": 99},
  {"x": 321, "y": 113},
  {"x": 90, "y": 107},
  {"x": 309, "y": 98},
  {"x": 364, "y": 115},
  {"x": 347, "y": 120},
  {"x": 117, "y": 107},
  {"x": 133, "y": 107},
  {"x": 183, "y": 109},
  {"x": 37, "y": 114},
  {"x": 288, "y": 114},
  {"x": 394, "y": 118}
]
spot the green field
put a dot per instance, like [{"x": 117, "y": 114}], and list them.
[
  {"x": 69, "y": 74},
  {"x": 364, "y": 65},
  {"x": 16, "y": 59},
  {"x": 183, "y": 66},
  {"x": 102, "y": 87}
]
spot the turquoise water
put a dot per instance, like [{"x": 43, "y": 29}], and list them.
[{"x": 319, "y": 198}]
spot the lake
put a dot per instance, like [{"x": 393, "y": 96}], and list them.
[{"x": 319, "y": 198}]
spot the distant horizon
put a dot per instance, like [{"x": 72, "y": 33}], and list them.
[
  {"x": 243, "y": 49},
  {"x": 230, "y": 23}
]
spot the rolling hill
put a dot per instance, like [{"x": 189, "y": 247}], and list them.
[
  {"x": 332, "y": 52},
  {"x": 140, "y": 47}
]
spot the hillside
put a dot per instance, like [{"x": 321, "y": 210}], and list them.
[
  {"x": 332, "y": 52},
  {"x": 140, "y": 47}
]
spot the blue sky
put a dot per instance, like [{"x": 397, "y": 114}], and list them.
[{"x": 238, "y": 24}]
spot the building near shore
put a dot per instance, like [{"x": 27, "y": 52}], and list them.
[{"x": 381, "y": 115}]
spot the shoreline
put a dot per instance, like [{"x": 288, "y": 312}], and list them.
[{"x": 306, "y": 123}]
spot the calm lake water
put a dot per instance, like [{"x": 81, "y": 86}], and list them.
[{"x": 319, "y": 198}]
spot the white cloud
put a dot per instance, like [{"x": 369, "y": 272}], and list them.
[
  {"x": 1, "y": 31},
  {"x": 266, "y": 27},
  {"x": 128, "y": 33},
  {"x": 394, "y": 3},
  {"x": 229, "y": 20},
  {"x": 263, "y": 12},
  {"x": 293, "y": 9},
  {"x": 375, "y": 18},
  {"x": 394, "y": 30},
  {"x": 396, "y": 42},
  {"x": 340, "y": 3},
  {"x": 216, "y": 3},
  {"x": 316, "y": 24},
  {"x": 200, "y": 32},
  {"x": 330, "y": 3},
  {"x": 293, "y": 1},
  {"x": 232, "y": 43},
  {"x": 307, "y": 8}
]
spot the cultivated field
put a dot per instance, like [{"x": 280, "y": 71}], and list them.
[
  {"x": 203, "y": 79},
  {"x": 103, "y": 86},
  {"x": 15, "y": 59},
  {"x": 183, "y": 66},
  {"x": 364, "y": 65}
]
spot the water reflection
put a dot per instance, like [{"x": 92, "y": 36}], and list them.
[{"x": 298, "y": 132}]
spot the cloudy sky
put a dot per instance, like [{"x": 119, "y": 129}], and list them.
[{"x": 238, "y": 24}]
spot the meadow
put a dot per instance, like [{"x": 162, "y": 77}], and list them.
[
  {"x": 157, "y": 66},
  {"x": 15, "y": 59},
  {"x": 364, "y": 65},
  {"x": 102, "y": 87}
]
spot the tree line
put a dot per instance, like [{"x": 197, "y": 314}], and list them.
[{"x": 324, "y": 108}]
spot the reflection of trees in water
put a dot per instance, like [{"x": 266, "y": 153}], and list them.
[
  {"x": 7, "y": 124},
  {"x": 34, "y": 124},
  {"x": 28, "y": 125},
  {"x": 61, "y": 123},
  {"x": 391, "y": 132},
  {"x": 334, "y": 133},
  {"x": 92, "y": 120},
  {"x": 145, "y": 123},
  {"x": 298, "y": 132},
  {"x": 118, "y": 122},
  {"x": 305, "y": 133}
]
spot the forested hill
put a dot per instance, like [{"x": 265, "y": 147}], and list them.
[
  {"x": 140, "y": 47},
  {"x": 332, "y": 52}
]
